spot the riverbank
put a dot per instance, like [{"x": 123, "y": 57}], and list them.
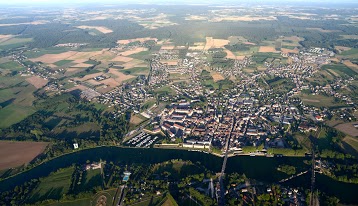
[{"x": 260, "y": 168}]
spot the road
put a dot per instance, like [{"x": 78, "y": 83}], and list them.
[
  {"x": 221, "y": 198},
  {"x": 119, "y": 199},
  {"x": 313, "y": 199}
]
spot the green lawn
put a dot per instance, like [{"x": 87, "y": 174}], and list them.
[
  {"x": 53, "y": 186},
  {"x": 93, "y": 179},
  {"x": 165, "y": 89}
]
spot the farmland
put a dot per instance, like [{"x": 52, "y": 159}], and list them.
[
  {"x": 53, "y": 186},
  {"x": 19, "y": 153}
]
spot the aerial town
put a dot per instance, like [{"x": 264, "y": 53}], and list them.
[{"x": 162, "y": 105}]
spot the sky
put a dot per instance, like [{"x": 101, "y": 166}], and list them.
[{"x": 47, "y": 2}]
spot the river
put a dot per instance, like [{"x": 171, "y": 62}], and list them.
[{"x": 260, "y": 168}]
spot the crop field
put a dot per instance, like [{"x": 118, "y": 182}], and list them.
[
  {"x": 340, "y": 69},
  {"x": 230, "y": 54},
  {"x": 350, "y": 52},
  {"x": 54, "y": 185},
  {"x": 101, "y": 29},
  {"x": 14, "y": 154},
  {"x": 4, "y": 38},
  {"x": 348, "y": 129},
  {"x": 37, "y": 81},
  {"x": 136, "y": 71},
  {"x": 353, "y": 142},
  {"x": 11, "y": 65},
  {"x": 122, "y": 59},
  {"x": 65, "y": 57},
  {"x": 215, "y": 43},
  {"x": 143, "y": 55},
  {"x": 217, "y": 76},
  {"x": 15, "y": 41},
  {"x": 351, "y": 65},
  {"x": 119, "y": 76},
  {"x": 253, "y": 50},
  {"x": 19, "y": 95},
  {"x": 62, "y": 62},
  {"x": 82, "y": 65},
  {"x": 127, "y": 41},
  {"x": 134, "y": 63},
  {"x": 261, "y": 57},
  {"x": 52, "y": 58},
  {"x": 133, "y": 51},
  {"x": 265, "y": 49}
]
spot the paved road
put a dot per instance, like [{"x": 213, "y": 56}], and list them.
[
  {"x": 121, "y": 196},
  {"x": 313, "y": 199},
  {"x": 221, "y": 198}
]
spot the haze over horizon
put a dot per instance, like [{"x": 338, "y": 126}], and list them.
[{"x": 170, "y": 2}]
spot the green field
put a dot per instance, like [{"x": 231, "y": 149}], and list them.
[
  {"x": 352, "y": 51},
  {"x": 341, "y": 69},
  {"x": 163, "y": 90},
  {"x": 54, "y": 185},
  {"x": 141, "y": 55},
  {"x": 319, "y": 100},
  {"x": 93, "y": 179},
  {"x": 16, "y": 101},
  {"x": 14, "y": 42},
  {"x": 261, "y": 57},
  {"x": 87, "y": 201},
  {"x": 352, "y": 145},
  {"x": 136, "y": 71},
  {"x": 13, "y": 66},
  {"x": 253, "y": 50},
  {"x": 13, "y": 114},
  {"x": 38, "y": 53},
  {"x": 62, "y": 62}
]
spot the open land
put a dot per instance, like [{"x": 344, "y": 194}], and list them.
[
  {"x": 102, "y": 29},
  {"x": 14, "y": 154},
  {"x": 38, "y": 82},
  {"x": 348, "y": 128}
]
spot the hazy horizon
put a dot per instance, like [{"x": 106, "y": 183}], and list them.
[{"x": 171, "y": 2}]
